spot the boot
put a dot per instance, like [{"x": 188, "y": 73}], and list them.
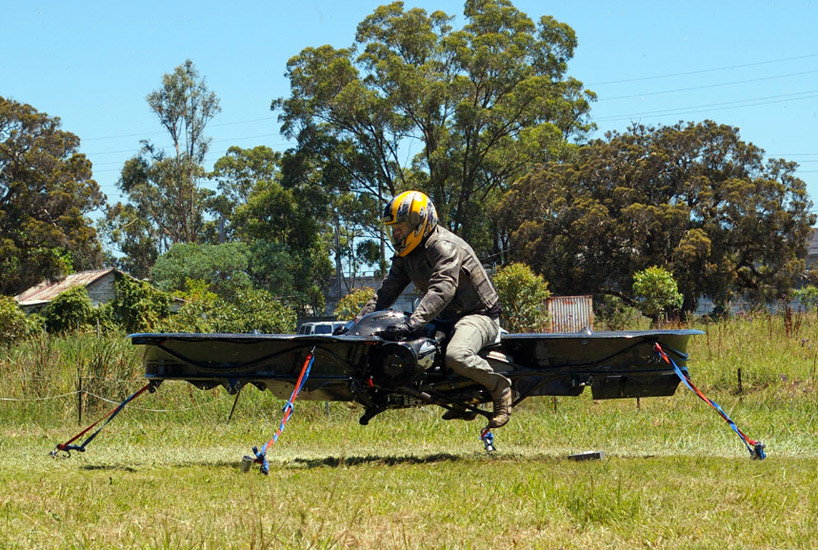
[{"x": 502, "y": 407}]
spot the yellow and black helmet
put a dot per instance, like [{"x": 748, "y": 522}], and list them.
[{"x": 416, "y": 213}]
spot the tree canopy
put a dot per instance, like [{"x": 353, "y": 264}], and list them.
[
  {"x": 484, "y": 117},
  {"x": 46, "y": 194},
  {"x": 236, "y": 174},
  {"x": 285, "y": 225},
  {"x": 471, "y": 109},
  {"x": 166, "y": 202},
  {"x": 692, "y": 198},
  {"x": 224, "y": 267}
]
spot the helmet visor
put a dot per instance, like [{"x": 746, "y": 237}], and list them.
[{"x": 398, "y": 233}]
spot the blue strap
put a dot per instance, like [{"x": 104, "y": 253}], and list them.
[
  {"x": 261, "y": 456},
  {"x": 107, "y": 420},
  {"x": 67, "y": 447},
  {"x": 756, "y": 448}
]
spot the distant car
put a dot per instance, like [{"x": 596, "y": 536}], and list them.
[{"x": 320, "y": 327}]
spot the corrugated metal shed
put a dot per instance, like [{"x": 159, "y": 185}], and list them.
[
  {"x": 812, "y": 247},
  {"x": 48, "y": 290},
  {"x": 570, "y": 313}
]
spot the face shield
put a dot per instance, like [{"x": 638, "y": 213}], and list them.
[{"x": 398, "y": 233}]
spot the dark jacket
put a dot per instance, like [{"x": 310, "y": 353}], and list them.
[{"x": 446, "y": 270}]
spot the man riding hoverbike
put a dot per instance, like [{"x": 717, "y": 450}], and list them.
[{"x": 456, "y": 290}]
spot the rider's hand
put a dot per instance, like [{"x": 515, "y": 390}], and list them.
[{"x": 343, "y": 329}]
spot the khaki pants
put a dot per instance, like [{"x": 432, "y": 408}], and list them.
[{"x": 471, "y": 334}]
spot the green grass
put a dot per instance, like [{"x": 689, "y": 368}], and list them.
[{"x": 165, "y": 473}]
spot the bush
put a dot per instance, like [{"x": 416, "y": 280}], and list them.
[
  {"x": 255, "y": 310},
  {"x": 252, "y": 310},
  {"x": 657, "y": 292},
  {"x": 522, "y": 296},
  {"x": 103, "y": 319},
  {"x": 138, "y": 306},
  {"x": 224, "y": 267},
  {"x": 349, "y": 306},
  {"x": 612, "y": 313},
  {"x": 14, "y": 325},
  {"x": 71, "y": 310},
  {"x": 807, "y": 297}
]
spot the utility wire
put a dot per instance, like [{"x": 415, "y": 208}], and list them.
[
  {"x": 702, "y": 71},
  {"x": 704, "y": 87},
  {"x": 50, "y": 397},
  {"x": 217, "y": 125},
  {"x": 754, "y": 102}
]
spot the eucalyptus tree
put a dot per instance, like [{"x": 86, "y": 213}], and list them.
[
  {"x": 237, "y": 174},
  {"x": 165, "y": 199},
  {"x": 692, "y": 198},
  {"x": 458, "y": 113},
  {"x": 46, "y": 196}
]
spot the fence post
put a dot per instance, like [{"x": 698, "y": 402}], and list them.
[{"x": 79, "y": 397}]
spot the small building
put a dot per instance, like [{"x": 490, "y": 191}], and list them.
[
  {"x": 407, "y": 301},
  {"x": 98, "y": 282},
  {"x": 812, "y": 248},
  {"x": 570, "y": 313}
]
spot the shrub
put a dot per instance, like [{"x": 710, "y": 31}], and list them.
[
  {"x": 224, "y": 267},
  {"x": 807, "y": 297},
  {"x": 71, "y": 310},
  {"x": 138, "y": 306},
  {"x": 612, "y": 313},
  {"x": 104, "y": 321},
  {"x": 657, "y": 292},
  {"x": 522, "y": 296},
  {"x": 349, "y": 306},
  {"x": 255, "y": 310},
  {"x": 14, "y": 325},
  {"x": 252, "y": 310}
]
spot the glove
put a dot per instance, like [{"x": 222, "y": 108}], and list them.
[
  {"x": 343, "y": 329},
  {"x": 401, "y": 331}
]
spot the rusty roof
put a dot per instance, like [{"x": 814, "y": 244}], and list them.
[{"x": 48, "y": 290}]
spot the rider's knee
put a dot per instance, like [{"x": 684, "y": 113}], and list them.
[{"x": 457, "y": 357}]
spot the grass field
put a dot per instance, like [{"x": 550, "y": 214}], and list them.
[{"x": 165, "y": 473}]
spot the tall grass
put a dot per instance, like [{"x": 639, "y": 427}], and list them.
[{"x": 164, "y": 474}]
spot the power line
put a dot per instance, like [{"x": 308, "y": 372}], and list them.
[
  {"x": 211, "y": 156},
  {"x": 754, "y": 102},
  {"x": 243, "y": 121},
  {"x": 702, "y": 71},
  {"x": 163, "y": 131},
  {"x": 168, "y": 146},
  {"x": 704, "y": 87}
]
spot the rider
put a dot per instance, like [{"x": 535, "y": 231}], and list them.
[{"x": 456, "y": 289}]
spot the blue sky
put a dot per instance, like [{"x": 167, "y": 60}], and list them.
[{"x": 753, "y": 65}]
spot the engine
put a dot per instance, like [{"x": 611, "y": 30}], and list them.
[
  {"x": 399, "y": 363},
  {"x": 395, "y": 363}
]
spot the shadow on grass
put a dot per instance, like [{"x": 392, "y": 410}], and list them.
[
  {"x": 278, "y": 463},
  {"x": 329, "y": 462},
  {"x": 335, "y": 462},
  {"x": 108, "y": 467}
]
